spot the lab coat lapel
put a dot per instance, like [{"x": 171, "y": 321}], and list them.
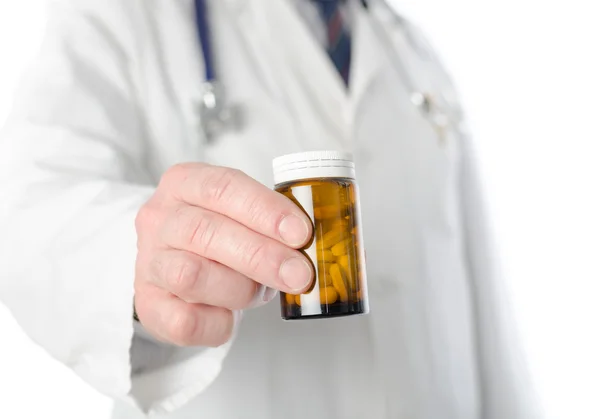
[
  {"x": 313, "y": 69},
  {"x": 368, "y": 55},
  {"x": 309, "y": 61}
]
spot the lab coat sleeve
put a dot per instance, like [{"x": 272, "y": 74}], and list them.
[
  {"x": 506, "y": 386},
  {"x": 72, "y": 179}
]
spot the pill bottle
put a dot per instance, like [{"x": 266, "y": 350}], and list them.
[{"x": 323, "y": 184}]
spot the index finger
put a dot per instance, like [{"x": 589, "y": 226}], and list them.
[{"x": 236, "y": 195}]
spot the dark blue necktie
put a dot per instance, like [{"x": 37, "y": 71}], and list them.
[{"x": 338, "y": 38}]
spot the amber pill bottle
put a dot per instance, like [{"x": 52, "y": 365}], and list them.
[{"x": 323, "y": 184}]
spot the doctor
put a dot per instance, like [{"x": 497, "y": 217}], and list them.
[{"x": 136, "y": 166}]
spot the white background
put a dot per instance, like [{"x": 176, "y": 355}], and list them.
[{"x": 529, "y": 71}]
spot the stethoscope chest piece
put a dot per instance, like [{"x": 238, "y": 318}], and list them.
[
  {"x": 216, "y": 116},
  {"x": 215, "y": 113}
]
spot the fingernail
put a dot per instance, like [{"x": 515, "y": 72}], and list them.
[
  {"x": 270, "y": 293},
  {"x": 294, "y": 230},
  {"x": 296, "y": 273}
]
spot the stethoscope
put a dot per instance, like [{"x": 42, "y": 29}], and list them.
[{"x": 217, "y": 116}]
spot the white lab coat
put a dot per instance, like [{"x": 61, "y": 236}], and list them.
[{"x": 111, "y": 104}]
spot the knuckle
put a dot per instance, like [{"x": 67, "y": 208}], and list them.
[
  {"x": 184, "y": 277},
  {"x": 200, "y": 231},
  {"x": 254, "y": 255},
  {"x": 145, "y": 217},
  {"x": 178, "y": 178},
  {"x": 244, "y": 296},
  {"x": 185, "y": 326},
  {"x": 219, "y": 182},
  {"x": 176, "y": 173},
  {"x": 221, "y": 328},
  {"x": 156, "y": 268},
  {"x": 257, "y": 213}
]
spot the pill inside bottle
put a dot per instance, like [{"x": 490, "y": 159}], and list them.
[{"x": 323, "y": 184}]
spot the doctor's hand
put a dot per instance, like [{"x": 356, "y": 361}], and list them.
[{"x": 212, "y": 240}]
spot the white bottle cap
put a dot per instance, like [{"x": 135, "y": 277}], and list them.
[{"x": 313, "y": 165}]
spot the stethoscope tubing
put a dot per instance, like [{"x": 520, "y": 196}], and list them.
[{"x": 204, "y": 37}]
